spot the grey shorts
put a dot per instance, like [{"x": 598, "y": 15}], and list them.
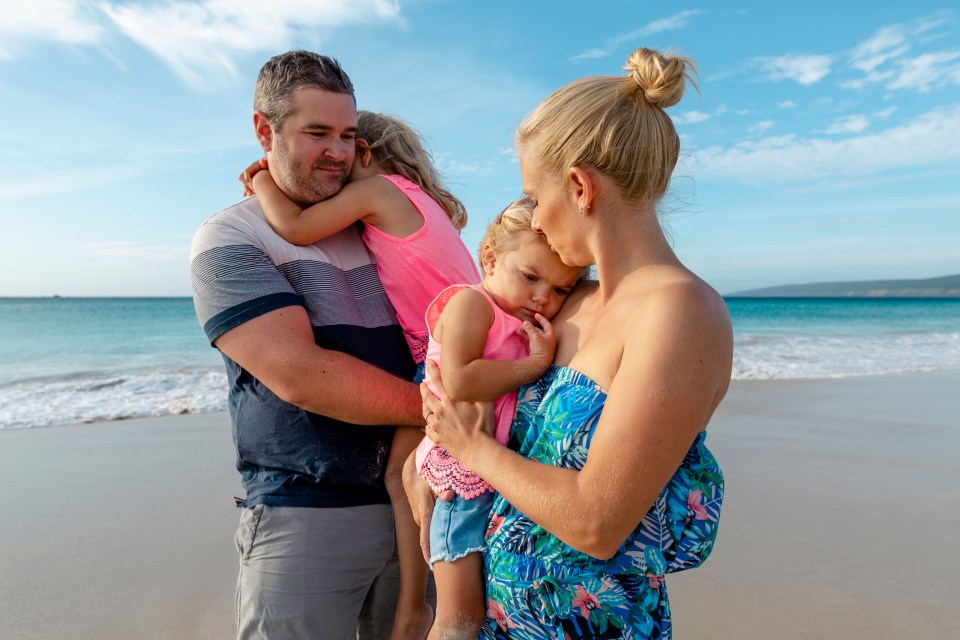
[{"x": 316, "y": 573}]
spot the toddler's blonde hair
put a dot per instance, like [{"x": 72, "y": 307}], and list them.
[{"x": 512, "y": 227}]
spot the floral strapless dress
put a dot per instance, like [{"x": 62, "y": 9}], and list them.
[{"x": 538, "y": 587}]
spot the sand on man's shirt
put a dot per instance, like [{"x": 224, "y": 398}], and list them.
[{"x": 839, "y": 520}]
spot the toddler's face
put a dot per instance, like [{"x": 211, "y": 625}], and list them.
[{"x": 529, "y": 278}]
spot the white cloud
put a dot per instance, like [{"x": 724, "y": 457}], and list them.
[
  {"x": 883, "y": 59},
  {"x": 690, "y": 117},
  {"x": 885, "y": 44},
  {"x": 200, "y": 40},
  {"x": 787, "y": 104},
  {"x": 928, "y": 140},
  {"x": 849, "y": 124},
  {"x": 60, "y": 182},
  {"x": 591, "y": 53},
  {"x": 67, "y": 21},
  {"x": 805, "y": 69},
  {"x": 761, "y": 127},
  {"x": 885, "y": 113},
  {"x": 670, "y": 23},
  {"x": 927, "y": 71},
  {"x": 139, "y": 250}
]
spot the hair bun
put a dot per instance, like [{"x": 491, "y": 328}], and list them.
[{"x": 661, "y": 78}]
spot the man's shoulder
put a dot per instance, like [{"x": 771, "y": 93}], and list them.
[
  {"x": 234, "y": 225},
  {"x": 245, "y": 224},
  {"x": 241, "y": 216}
]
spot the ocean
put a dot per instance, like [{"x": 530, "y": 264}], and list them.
[{"x": 79, "y": 360}]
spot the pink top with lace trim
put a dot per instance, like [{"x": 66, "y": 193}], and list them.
[
  {"x": 416, "y": 268},
  {"x": 434, "y": 464}
]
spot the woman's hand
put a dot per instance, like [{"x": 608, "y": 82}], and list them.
[
  {"x": 246, "y": 178},
  {"x": 452, "y": 424}
]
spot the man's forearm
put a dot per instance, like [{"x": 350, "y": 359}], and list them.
[
  {"x": 278, "y": 349},
  {"x": 347, "y": 389}
]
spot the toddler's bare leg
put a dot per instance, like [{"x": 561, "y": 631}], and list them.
[
  {"x": 414, "y": 615},
  {"x": 461, "y": 598}
]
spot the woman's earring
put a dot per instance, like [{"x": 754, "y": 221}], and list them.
[{"x": 580, "y": 210}]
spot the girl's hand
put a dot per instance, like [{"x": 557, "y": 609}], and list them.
[
  {"x": 247, "y": 176},
  {"x": 543, "y": 343},
  {"x": 421, "y": 500},
  {"x": 454, "y": 424}
]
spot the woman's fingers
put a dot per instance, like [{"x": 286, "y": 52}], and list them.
[{"x": 433, "y": 370}]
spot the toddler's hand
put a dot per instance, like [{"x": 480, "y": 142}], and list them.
[
  {"x": 247, "y": 176},
  {"x": 543, "y": 342}
]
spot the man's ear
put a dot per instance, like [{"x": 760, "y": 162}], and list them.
[
  {"x": 263, "y": 130},
  {"x": 583, "y": 184}
]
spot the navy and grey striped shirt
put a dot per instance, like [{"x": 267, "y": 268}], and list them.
[{"x": 287, "y": 456}]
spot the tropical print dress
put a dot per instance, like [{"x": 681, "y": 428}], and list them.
[{"x": 538, "y": 587}]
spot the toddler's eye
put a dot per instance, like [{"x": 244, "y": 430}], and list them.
[
  {"x": 560, "y": 291},
  {"x": 529, "y": 277}
]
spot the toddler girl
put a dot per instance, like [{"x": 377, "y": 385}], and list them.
[
  {"x": 488, "y": 339},
  {"x": 411, "y": 225}
]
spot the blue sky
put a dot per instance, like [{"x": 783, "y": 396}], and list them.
[{"x": 825, "y": 144}]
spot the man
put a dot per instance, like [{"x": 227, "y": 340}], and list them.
[{"x": 313, "y": 352}]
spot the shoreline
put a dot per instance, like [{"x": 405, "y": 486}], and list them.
[{"x": 837, "y": 523}]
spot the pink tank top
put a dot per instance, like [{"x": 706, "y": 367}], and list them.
[
  {"x": 416, "y": 268},
  {"x": 434, "y": 464}
]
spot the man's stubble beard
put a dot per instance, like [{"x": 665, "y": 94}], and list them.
[{"x": 296, "y": 179}]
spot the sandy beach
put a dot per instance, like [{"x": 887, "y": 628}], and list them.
[{"x": 839, "y": 520}]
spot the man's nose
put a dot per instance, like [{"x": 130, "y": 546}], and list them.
[
  {"x": 535, "y": 223},
  {"x": 338, "y": 150}
]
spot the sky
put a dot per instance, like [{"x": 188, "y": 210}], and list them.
[{"x": 823, "y": 145}]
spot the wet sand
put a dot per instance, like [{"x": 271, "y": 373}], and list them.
[{"x": 841, "y": 507}]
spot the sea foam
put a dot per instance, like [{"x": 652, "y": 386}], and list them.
[{"x": 81, "y": 399}]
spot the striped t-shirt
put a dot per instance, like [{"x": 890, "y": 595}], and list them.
[{"x": 288, "y": 456}]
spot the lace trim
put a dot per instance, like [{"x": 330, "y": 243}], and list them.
[
  {"x": 442, "y": 471},
  {"x": 418, "y": 345}
]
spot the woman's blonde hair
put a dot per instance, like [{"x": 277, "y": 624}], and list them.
[
  {"x": 511, "y": 228},
  {"x": 397, "y": 148},
  {"x": 615, "y": 124}
]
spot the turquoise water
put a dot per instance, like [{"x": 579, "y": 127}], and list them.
[
  {"x": 43, "y": 338},
  {"x": 70, "y": 360}
]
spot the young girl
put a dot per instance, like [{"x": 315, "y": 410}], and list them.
[
  {"x": 488, "y": 340},
  {"x": 411, "y": 225}
]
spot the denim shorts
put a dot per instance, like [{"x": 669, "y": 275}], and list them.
[
  {"x": 421, "y": 372},
  {"x": 459, "y": 527}
]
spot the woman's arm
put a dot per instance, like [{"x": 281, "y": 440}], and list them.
[
  {"x": 674, "y": 371},
  {"x": 462, "y": 329}
]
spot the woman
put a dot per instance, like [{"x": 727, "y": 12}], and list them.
[{"x": 608, "y": 485}]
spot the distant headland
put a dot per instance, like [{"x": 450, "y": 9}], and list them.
[{"x": 942, "y": 287}]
